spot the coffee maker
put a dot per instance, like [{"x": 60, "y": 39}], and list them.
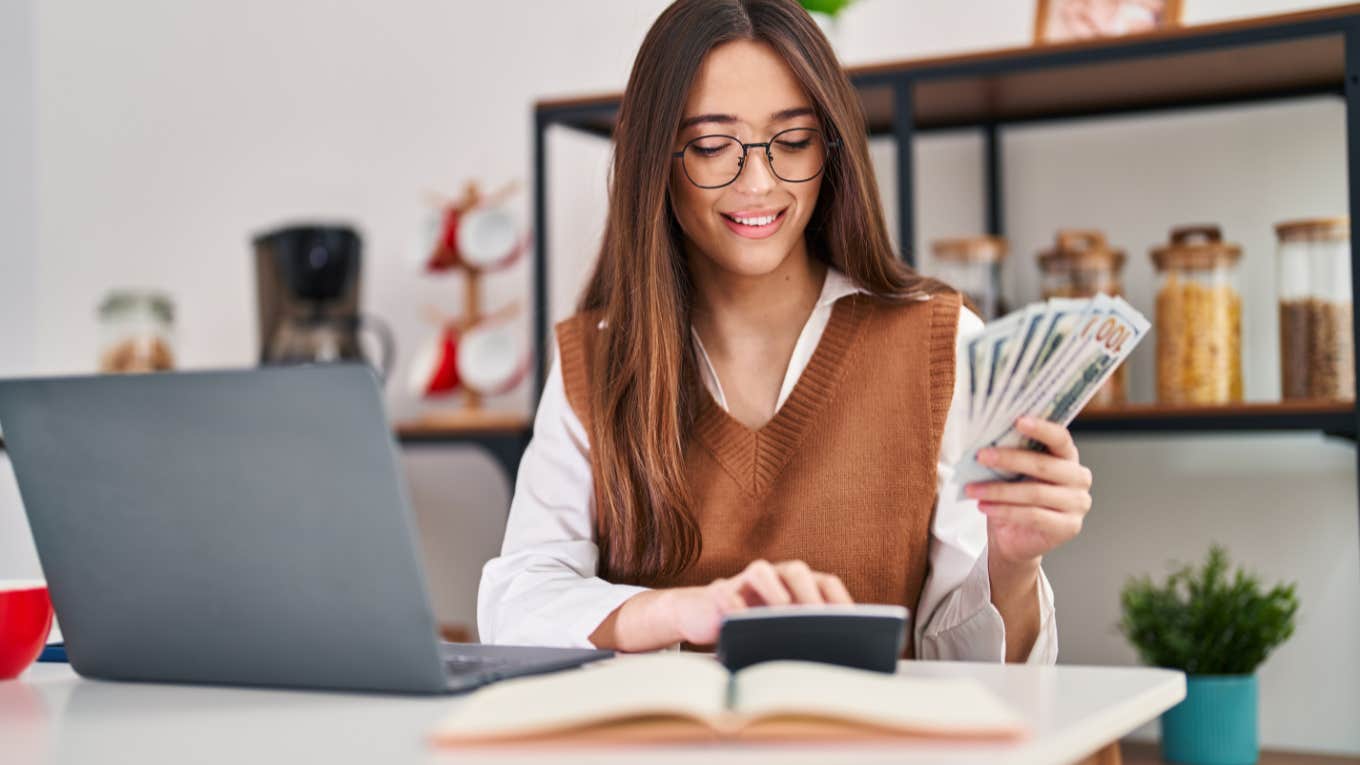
[{"x": 307, "y": 278}]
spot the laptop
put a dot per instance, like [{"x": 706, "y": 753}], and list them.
[{"x": 242, "y": 527}]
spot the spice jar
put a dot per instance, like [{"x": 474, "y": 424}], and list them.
[
  {"x": 135, "y": 332},
  {"x": 1317, "y": 352},
  {"x": 1080, "y": 265},
  {"x": 972, "y": 265},
  {"x": 1199, "y": 318}
]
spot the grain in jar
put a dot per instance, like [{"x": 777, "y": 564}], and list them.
[
  {"x": 1313, "y": 280},
  {"x": 1080, "y": 265},
  {"x": 1199, "y": 318},
  {"x": 136, "y": 332},
  {"x": 972, "y": 265}
]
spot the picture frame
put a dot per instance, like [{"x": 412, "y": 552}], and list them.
[{"x": 1057, "y": 21}]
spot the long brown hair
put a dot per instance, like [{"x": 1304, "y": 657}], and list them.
[{"x": 643, "y": 397}]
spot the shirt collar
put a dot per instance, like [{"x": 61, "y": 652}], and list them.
[{"x": 836, "y": 286}]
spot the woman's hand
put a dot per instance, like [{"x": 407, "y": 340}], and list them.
[
  {"x": 659, "y": 618},
  {"x": 1027, "y": 519},
  {"x": 698, "y": 611}
]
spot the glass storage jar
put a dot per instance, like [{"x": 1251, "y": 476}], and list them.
[
  {"x": 1313, "y": 278},
  {"x": 1080, "y": 265},
  {"x": 972, "y": 265},
  {"x": 1199, "y": 318},
  {"x": 136, "y": 332}
]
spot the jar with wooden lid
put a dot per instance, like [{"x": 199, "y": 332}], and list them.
[
  {"x": 136, "y": 332},
  {"x": 972, "y": 265},
  {"x": 1313, "y": 278},
  {"x": 1080, "y": 265},
  {"x": 1199, "y": 318}
]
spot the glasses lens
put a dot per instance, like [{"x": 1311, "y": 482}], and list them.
[
  {"x": 798, "y": 154},
  {"x": 712, "y": 160}
]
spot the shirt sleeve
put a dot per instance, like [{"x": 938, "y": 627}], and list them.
[
  {"x": 955, "y": 616},
  {"x": 543, "y": 589}
]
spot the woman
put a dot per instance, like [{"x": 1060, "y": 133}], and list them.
[{"x": 757, "y": 402}]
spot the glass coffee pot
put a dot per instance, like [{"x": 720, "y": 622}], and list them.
[{"x": 308, "y": 279}]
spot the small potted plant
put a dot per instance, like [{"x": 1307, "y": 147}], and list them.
[{"x": 1217, "y": 627}]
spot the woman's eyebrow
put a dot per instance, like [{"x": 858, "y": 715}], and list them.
[{"x": 728, "y": 119}]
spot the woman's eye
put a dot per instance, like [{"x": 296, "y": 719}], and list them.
[
  {"x": 708, "y": 150},
  {"x": 795, "y": 145}
]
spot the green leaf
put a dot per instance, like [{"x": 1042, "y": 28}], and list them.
[
  {"x": 829, "y": 7},
  {"x": 1209, "y": 621}
]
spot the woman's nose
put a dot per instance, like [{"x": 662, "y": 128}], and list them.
[{"x": 756, "y": 175}]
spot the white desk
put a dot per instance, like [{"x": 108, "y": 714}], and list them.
[{"x": 50, "y": 715}]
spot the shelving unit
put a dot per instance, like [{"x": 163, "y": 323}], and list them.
[{"x": 1271, "y": 58}]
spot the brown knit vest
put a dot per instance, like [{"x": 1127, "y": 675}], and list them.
[{"x": 843, "y": 477}]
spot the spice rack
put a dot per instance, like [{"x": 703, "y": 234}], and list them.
[{"x": 1271, "y": 58}]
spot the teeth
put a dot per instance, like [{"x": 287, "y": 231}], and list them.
[{"x": 762, "y": 221}]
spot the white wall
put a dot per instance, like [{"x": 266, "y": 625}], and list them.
[
  {"x": 18, "y": 252},
  {"x": 166, "y": 133}
]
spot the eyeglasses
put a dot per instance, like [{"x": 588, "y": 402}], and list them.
[{"x": 796, "y": 155}]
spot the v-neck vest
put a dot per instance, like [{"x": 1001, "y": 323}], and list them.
[{"x": 843, "y": 476}]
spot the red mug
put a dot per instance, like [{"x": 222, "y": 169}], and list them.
[{"x": 25, "y": 621}]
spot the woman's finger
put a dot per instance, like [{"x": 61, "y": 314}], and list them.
[
  {"x": 1055, "y": 437},
  {"x": 1044, "y": 467},
  {"x": 1067, "y": 499},
  {"x": 798, "y": 579},
  {"x": 1044, "y": 521},
  {"x": 727, "y": 596},
  {"x": 764, "y": 581},
  {"x": 833, "y": 589}
]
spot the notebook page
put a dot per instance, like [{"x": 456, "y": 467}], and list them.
[
  {"x": 944, "y": 706},
  {"x": 627, "y": 686}
]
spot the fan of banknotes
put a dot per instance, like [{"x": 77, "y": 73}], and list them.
[{"x": 1046, "y": 361}]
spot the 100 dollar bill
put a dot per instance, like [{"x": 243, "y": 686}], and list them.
[{"x": 1107, "y": 332}]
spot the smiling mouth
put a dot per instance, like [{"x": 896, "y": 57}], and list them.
[{"x": 770, "y": 222}]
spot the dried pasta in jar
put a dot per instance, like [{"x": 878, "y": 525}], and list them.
[{"x": 1198, "y": 319}]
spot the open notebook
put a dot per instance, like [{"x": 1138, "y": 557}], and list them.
[{"x": 690, "y": 697}]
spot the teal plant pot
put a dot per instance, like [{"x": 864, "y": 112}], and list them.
[{"x": 1215, "y": 725}]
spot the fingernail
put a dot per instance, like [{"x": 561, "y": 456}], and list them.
[
  {"x": 986, "y": 456},
  {"x": 1025, "y": 421},
  {"x": 983, "y": 507}
]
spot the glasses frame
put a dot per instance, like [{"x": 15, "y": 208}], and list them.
[{"x": 745, "y": 147}]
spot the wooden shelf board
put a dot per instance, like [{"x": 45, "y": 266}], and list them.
[
  {"x": 1337, "y": 417},
  {"x": 1253, "y": 408},
  {"x": 1202, "y": 64},
  {"x": 460, "y": 423}
]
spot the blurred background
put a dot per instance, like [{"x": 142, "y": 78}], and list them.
[{"x": 143, "y": 144}]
